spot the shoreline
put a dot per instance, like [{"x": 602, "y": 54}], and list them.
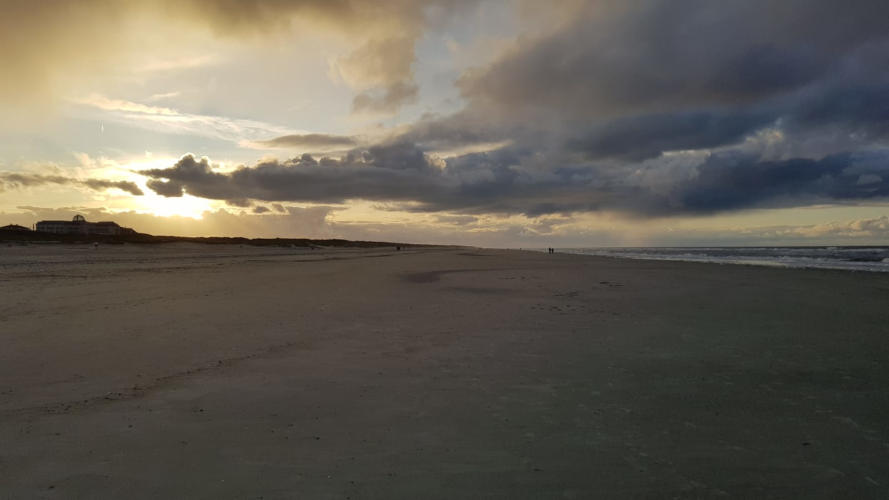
[
  {"x": 298, "y": 244},
  {"x": 868, "y": 266}
]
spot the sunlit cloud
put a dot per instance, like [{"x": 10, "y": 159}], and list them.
[
  {"x": 180, "y": 63},
  {"x": 499, "y": 121},
  {"x": 471, "y": 148},
  {"x": 307, "y": 142},
  {"x": 163, "y": 96},
  {"x": 169, "y": 120},
  {"x": 101, "y": 102}
]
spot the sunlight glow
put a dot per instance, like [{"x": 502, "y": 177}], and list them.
[
  {"x": 162, "y": 206},
  {"x": 185, "y": 206}
]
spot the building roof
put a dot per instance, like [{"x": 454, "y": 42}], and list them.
[
  {"x": 81, "y": 223},
  {"x": 14, "y": 227},
  {"x": 78, "y": 219}
]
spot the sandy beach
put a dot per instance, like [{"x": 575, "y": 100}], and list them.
[{"x": 193, "y": 371}]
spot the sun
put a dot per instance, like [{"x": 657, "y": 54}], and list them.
[
  {"x": 183, "y": 206},
  {"x": 163, "y": 206}
]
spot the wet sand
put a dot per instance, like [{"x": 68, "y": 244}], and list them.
[{"x": 190, "y": 371}]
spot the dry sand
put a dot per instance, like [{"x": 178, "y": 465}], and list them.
[{"x": 188, "y": 371}]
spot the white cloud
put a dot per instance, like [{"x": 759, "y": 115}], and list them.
[
  {"x": 169, "y": 120},
  {"x": 178, "y": 63}
]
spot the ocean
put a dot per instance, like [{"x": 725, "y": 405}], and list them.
[{"x": 857, "y": 258}]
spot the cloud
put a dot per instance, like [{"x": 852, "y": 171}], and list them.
[
  {"x": 460, "y": 220},
  {"x": 104, "y": 103},
  {"x": 620, "y": 58},
  {"x": 176, "y": 64},
  {"x": 385, "y": 172},
  {"x": 647, "y": 136},
  {"x": 732, "y": 181},
  {"x": 379, "y": 62},
  {"x": 239, "y": 202},
  {"x": 387, "y": 101},
  {"x": 24, "y": 180},
  {"x": 100, "y": 184},
  {"x": 165, "y": 188},
  {"x": 592, "y": 111},
  {"x": 511, "y": 182},
  {"x": 168, "y": 120},
  {"x": 653, "y": 108},
  {"x": 382, "y": 69},
  {"x": 861, "y": 228},
  {"x": 88, "y": 40},
  {"x": 311, "y": 142},
  {"x": 35, "y": 65},
  {"x": 632, "y": 80},
  {"x": 164, "y": 96}
]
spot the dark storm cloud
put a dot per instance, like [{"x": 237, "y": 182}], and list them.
[
  {"x": 391, "y": 172},
  {"x": 309, "y": 141},
  {"x": 735, "y": 181},
  {"x": 14, "y": 180},
  {"x": 861, "y": 107},
  {"x": 466, "y": 127},
  {"x": 397, "y": 171},
  {"x": 729, "y": 183},
  {"x": 630, "y": 80},
  {"x": 508, "y": 181},
  {"x": 641, "y": 137},
  {"x": 585, "y": 110},
  {"x": 859, "y": 110},
  {"x": 630, "y": 57}
]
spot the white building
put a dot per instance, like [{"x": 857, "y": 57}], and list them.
[{"x": 79, "y": 225}]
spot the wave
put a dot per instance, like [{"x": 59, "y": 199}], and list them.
[{"x": 874, "y": 259}]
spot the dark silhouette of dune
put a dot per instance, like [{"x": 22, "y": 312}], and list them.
[{"x": 36, "y": 236}]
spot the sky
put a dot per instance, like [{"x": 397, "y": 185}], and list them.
[{"x": 493, "y": 123}]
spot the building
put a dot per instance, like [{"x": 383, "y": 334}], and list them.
[
  {"x": 79, "y": 225},
  {"x": 14, "y": 227}
]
